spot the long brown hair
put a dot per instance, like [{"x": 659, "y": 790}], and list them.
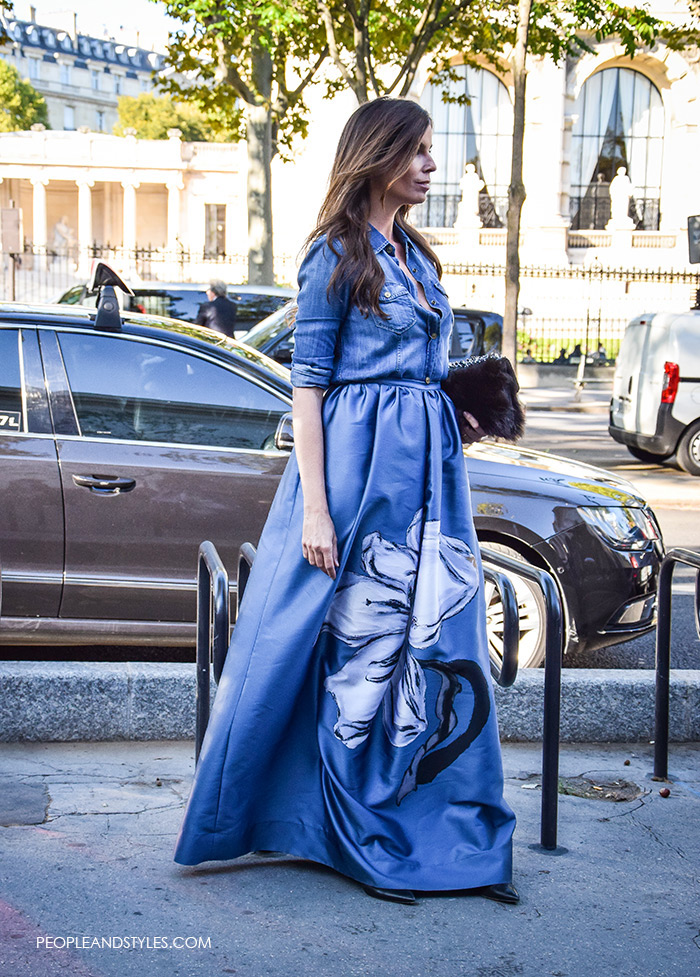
[{"x": 378, "y": 143}]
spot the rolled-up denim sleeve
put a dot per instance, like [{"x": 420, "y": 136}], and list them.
[{"x": 318, "y": 320}]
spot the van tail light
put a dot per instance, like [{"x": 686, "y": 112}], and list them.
[{"x": 670, "y": 387}]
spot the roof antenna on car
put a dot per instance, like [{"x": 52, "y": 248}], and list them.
[{"x": 104, "y": 279}]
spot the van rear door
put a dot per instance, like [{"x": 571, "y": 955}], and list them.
[
  {"x": 658, "y": 349},
  {"x": 628, "y": 366}
]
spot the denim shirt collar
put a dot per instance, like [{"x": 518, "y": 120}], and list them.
[{"x": 380, "y": 243}]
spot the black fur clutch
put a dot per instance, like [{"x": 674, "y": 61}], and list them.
[{"x": 486, "y": 387}]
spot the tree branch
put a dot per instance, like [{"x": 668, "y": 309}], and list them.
[
  {"x": 429, "y": 24},
  {"x": 332, "y": 41},
  {"x": 287, "y": 98},
  {"x": 306, "y": 80},
  {"x": 227, "y": 72}
]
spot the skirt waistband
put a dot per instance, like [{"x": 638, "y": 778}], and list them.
[{"x": 398, "y": 382}]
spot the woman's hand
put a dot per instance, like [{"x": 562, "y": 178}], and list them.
[
  {"x": 318, "y": 542},
  {"x": 470, "y": 429}
]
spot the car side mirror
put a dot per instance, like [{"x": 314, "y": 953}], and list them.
[{"x": 284, "y": 435}]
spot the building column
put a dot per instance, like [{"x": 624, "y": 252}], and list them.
[
  {"x": 84, "y": 224},
  {"x": 174, "y": 189},
  {"x": 39, "y": 228},
  {"x": 129, "y": 229},
  {"x": 108, "y": 229}
]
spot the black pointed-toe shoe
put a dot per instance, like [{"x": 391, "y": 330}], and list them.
[
  {"x": 404, "y": 896},
  {"x": 501, "y": 892}
]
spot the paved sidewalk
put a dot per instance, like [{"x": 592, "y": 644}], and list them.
[{"x": 90, "y": 828}]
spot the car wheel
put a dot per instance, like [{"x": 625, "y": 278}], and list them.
[
  {"x": 647, "y": 456},
  {"x": 533, "y": 615},
  {"x": 689, "y": 450}
]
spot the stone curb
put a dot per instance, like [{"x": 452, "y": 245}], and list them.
[{"x": 64, "y": 701}]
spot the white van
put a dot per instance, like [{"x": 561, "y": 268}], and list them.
[{"x": 655, "y": 406}]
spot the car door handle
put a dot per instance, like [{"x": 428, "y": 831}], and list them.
[{"x": 105, "y": 484}]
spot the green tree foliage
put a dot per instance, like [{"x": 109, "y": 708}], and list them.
[
  {"x": 21, "y": 105},
  {"x": 5, "y": 11},
  {"x": 377, "y": 45},
  {"x": 248, "y": 63},
  {"x": 152, "y": 115}
]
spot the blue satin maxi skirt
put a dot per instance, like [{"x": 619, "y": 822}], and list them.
[{"x": 354, "y": 723}]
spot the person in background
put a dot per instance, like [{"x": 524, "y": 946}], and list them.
[
  {"x": 562, "y": 358},
  {"x": 219, "y": 312},
  {"x": 528, "y": 357},
  {"x": 600, "y": 355}
]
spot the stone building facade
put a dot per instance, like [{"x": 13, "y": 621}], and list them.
[
  {"x": 84, "y": 189},
  {"x": 80, "y": 77}
]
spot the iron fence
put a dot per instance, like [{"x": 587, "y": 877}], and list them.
[
  {"x": 442, "y": 209},
  {"x": 548, "y": 340},
  {"x": 44, "y": 274},
  {"x": 565, "y": 306},
  {"x": 592, "y": 210},
  {"x": 586, "y": 273}
]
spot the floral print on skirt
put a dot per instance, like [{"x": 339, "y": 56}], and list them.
[{"x": 354, "y": 723}]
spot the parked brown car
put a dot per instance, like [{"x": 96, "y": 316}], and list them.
[{"x": 122, "y": 448}]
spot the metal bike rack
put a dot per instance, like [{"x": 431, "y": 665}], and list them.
[
  {"x": 554, "y": 647},
  {"x": 504, "y": 673},
  {"x": 246, "y": 555},
  {"x": 213, "y": 626},
  {"x": 689, "y": 558}
]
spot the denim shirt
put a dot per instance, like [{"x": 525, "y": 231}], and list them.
[{"x": 334, "y": 343}]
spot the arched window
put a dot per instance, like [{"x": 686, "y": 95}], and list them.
[
  {"x": 620, "y": 122},
  {"x": 477, "y": 132}
]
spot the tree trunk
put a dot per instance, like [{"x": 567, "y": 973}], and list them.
[
  {"x": 516, "y": 190},
  {"x": 259, "y": 139}
]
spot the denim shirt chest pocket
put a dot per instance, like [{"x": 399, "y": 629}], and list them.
[{"x": 397, "y": 308}]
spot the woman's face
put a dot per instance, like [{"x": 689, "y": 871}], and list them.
[{"x": 413, "y": 185}]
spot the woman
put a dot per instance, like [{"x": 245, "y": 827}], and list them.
[{"x": 354, "y": 724}]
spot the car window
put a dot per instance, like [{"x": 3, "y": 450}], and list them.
[
  {"x": 263, "y": 335},
  {"x": 283, "y": 349},
  {"x": 464, "y": 332},
  {"x": 493, "y": 337},
  {"x": 184, "y": 303},
  {"x": 11, "y": 413},
  {"x": 174, "y": 303},
  {"x": 251, "y": 307},
  {"x": 73, "y": 296},
  {"x": 140, "y": 391}
]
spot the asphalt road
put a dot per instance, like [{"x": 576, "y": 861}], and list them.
[{"x": 675, "y": 499}]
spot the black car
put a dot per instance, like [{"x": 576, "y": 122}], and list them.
[
  {"x": 181, "y": 300},
  {"x": 475, "y": 332},
  {"x": 124, "y": 444}
]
